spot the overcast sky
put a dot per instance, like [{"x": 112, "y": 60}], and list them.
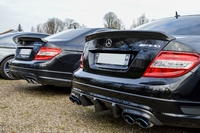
[{"x": 29, "y": 13}]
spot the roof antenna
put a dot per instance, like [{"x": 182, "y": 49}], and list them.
[{"x": 176, "y": 15}]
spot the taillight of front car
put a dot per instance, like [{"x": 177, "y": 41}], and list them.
[
  {"x": 47, "y": 53},
  {"x": 81, "y": 61},
  {"x": 170, "y": 64}
]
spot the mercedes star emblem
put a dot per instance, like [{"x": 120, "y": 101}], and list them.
[{"x": 108, "y": 43}]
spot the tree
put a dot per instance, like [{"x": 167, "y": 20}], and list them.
[
  {"x": 141, "y": 20},
  {"x": 39, "y": 28},
  {"x": 71, "y": 24},
  {"x": 61, "y": 25},
  {"x": 53, "y": 26},
  {"x": 121, "y": 25},
  {"x": 19, "y": 28},
  {"x": 111, "y": 21},
  {"x": 32, "y": 29}
]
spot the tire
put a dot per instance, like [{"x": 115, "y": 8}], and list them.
[{"x": 5, "y": 68}]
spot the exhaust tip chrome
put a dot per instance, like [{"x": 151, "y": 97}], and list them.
[
  {"x": 142, "y": 118},
  {"x": 144, "y": 123},
  {"x": 75, "y": 100},
  {"x": 130, "y": 120},
  {"x": 71, "y": 99}
]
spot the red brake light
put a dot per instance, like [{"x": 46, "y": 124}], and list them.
[
  {"x": 46, "y": 53},
  {"x": 81, "y": 61},
  {"x": 169, "y": 64}
]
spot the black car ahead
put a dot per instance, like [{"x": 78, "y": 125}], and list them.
[
  {"x": 51, "y": 60},
  {"x": 149, "y": 75},
  {"x": 8, "y": 47}
]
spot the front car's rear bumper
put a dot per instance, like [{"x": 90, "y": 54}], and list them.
[
  {"x": 174, "y": 103},
  {"x": 42, "y": 76}
]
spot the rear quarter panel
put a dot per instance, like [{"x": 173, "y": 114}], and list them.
[{"x": 6, "y": 51}]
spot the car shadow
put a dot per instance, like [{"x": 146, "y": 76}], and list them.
[{"x": 42, "y": 90}]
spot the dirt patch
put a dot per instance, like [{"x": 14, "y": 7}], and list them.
[{"x": 27, "y": 108}]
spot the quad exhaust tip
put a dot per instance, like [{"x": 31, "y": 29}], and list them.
[
  {"x": 130, "y": 120},
  {"x": 31, "y": 80},
  {"x": 132, "y": 117},
  {"x": 142, "y": 122},
  {"x": 75, "y": 100}
]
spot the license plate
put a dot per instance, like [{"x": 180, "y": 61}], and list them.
[
  {"x": 114, "y": 59},
  {"x": 25, "y": 52}
]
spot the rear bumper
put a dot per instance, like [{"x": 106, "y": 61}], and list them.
[
  {"x": 149, "y": 102},
  {"x": 44, "y": 77}
]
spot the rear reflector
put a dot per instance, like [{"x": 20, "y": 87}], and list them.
[
  {"x": 169, "y": 64},
  {"x": 46, "y": 53}
]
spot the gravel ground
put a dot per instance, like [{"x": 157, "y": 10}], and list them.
[{"x": 27, "y": 108}]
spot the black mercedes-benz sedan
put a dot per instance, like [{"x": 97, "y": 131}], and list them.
[
  {"x": 8, "y": 46},
  {"x": 51, "y": 60},
  {"x": 149, "y": 75}
]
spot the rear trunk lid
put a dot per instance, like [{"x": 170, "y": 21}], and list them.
[
  {"x": 28, "y": 47},
  {"x": 122, "y": 53}
]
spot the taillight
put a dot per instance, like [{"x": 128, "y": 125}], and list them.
[
  {"x": 81, "y": 61},
  {"x": 169, "y": 64},
  {"x": 46, "y": 53}
]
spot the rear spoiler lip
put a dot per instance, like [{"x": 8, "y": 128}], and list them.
[
  {"x": 26, "y": 37},
  {"x": 130, "y": 34}
]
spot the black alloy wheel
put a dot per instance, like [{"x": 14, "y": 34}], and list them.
[{"x": 5, "y": 68}]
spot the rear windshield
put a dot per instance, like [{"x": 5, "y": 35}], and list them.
[
  {"x": 68, "y": 34},
  {"x": 188, "y": 25}
]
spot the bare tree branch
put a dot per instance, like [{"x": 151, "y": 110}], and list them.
[
  {"x": 141, "y": 20},
  {"x": 53, "y": 26},
  {"x": 111, "y": 21}
]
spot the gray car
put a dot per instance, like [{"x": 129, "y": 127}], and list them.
[{"x": 7, "y": 50}]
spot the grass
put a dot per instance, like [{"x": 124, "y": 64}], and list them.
[{"x": 28, "y": 108}]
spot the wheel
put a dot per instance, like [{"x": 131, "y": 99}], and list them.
[{"x": 5, "y": 68}]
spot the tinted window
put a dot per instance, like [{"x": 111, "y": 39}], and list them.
[
  {"x": 188, "y": 25},
  {"x": 68, "y": 34}
]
